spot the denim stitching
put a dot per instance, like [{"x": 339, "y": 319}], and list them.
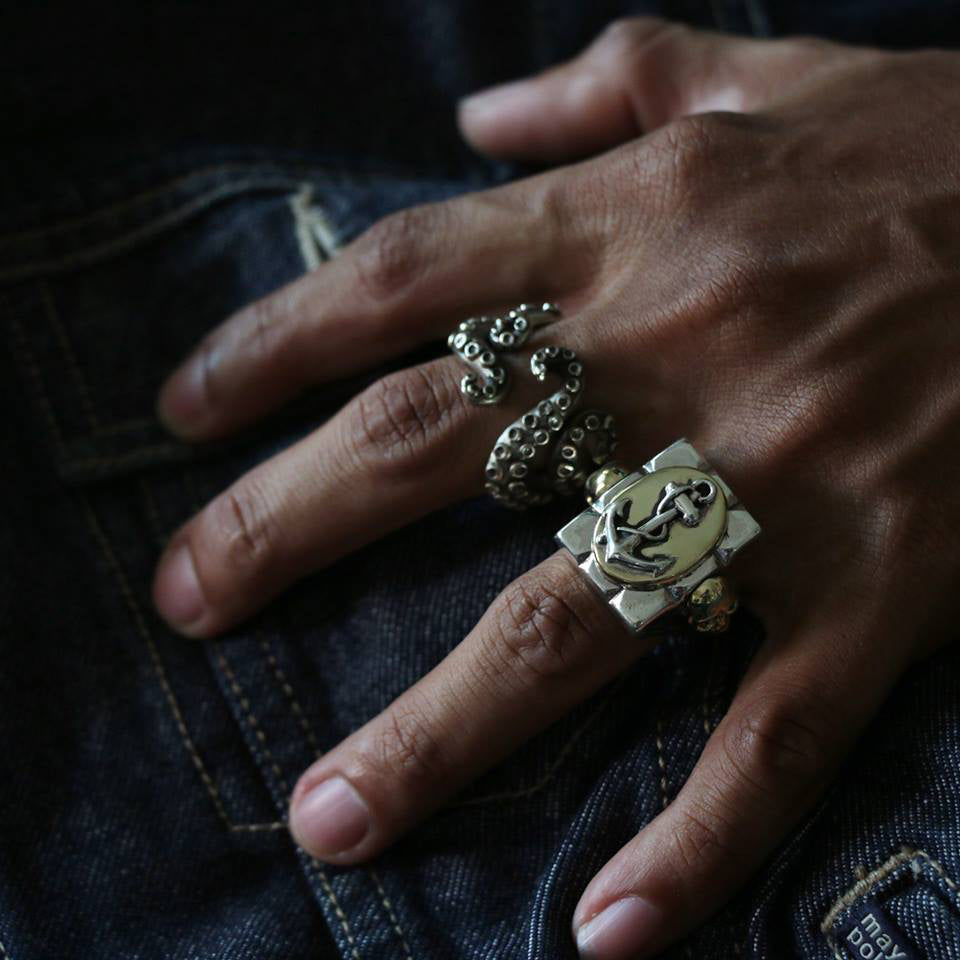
[
  {"x": 140, "y": 623},
  {"x": 97, "y": 429},
  {"x": 313, "y": 229},
  {"x": 63, "y": 341},
  {"x": 153, "y": 516},
  {"x": 251, "y": 719},
  {"x": 298, "y": 712},
  {"x": 25, "y": 359},
  {"x": 24, "y": 355},
  {"x": 3, "y": 952},
  {"x": 133, "y": 238},
  {"x": 708, "y": 723},
  {"x": 110, "y": 211},
  {"x": 317, "y": 222},
  {"x": 285, "y": 686},
  {"x": 663, "y": 767},
  {"x": 870, "y": 880},
  {"x": 245, "y": 704},
  {"x": 337, "y": 909},
  {"x": 390, "y": 913},
  {"x": 125, "y": 426},
  {"x": 133, "y": 458},
  {"x": 317, "y": 239},
  {"x": 281, "y": 779}
]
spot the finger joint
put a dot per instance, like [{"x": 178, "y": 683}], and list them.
[
  {"x": 393, "y": 253},
  {"x": 407, "y": 748},
  {"x": 540, "y": 631},
  {"x": 399, "y": 419},
  {"x": 246, "y": 529},
  {"x": 776, "y": 743}
]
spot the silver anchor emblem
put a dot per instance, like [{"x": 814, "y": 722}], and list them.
[{"x": 623, "y": 542}]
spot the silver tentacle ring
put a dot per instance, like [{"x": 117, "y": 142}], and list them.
[
  {"x": 552, "y": 448},
  {"x": 479, "y": 340}
]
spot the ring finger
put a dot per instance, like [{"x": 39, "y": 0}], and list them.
[{"x": 545, "y": 644}]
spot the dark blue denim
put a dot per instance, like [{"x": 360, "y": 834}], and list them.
[{"x": 164, "y": 165}]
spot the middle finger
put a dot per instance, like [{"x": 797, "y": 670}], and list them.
[{"x": 409, "y": 444}]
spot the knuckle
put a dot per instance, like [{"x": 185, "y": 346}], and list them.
[
  {"x": 776, "y": 742},
  {"x": 244, "y": 528},
  {"x": 398, "y": 420},
  {"x": 640, "y": 51},
  {"x": 406, "y": 748},
  {"x": 540, "y": 632},
  {"x": 690, "y": 147},
  {"x": 629, "y": 37},
  {"x": 393, "y": 253},
  {"x": 700, "y": 837},
  {"x": 691, "y": 155}
]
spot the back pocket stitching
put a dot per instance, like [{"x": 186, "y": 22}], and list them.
[
  {"x": 159, "y": 671},
  {"x": 64, "y": 344},
  {"x": 25, "y": 358},
  {"x": 108, "y": 249},
  {"x": 907, "y": 855},
  {"x": 243, "y": 701},
  {"x": 311, "y": 225}
]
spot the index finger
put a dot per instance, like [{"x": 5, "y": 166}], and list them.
[
  {"x": 408, "y": 279},
  {"x": 546, "y": 643}
]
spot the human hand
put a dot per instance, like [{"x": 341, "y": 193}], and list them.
[{"x": 777, "y": 284}]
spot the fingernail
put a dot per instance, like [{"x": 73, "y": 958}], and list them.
[
  {"x": 331, "y": 818},
  {"x": 495, "y": 100},
  {"x": 182, "y": 404},
  {"x": 620, "y": 931},
  {"x": 176, "y": 591}
]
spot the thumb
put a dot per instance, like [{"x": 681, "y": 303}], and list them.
[{"x": 638, "y": 74}]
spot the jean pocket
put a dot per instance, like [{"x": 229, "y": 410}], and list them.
[
  {"x": 101, "y": 308},
  {"x": 907, "y": 908},
  {"x": 110, "y": 303}
]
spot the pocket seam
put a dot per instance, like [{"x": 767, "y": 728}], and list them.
[
  {"x": 72, "y": 453},
  {"x": 121, "y": 244},
  {"x": 159, "y": 671},
  {"x": 907, "y": 855}
]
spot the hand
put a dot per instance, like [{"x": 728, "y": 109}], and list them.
[{"x": 778, "y": 282}]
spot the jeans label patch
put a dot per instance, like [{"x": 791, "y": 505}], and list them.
[{"x": 870, "y": 934}]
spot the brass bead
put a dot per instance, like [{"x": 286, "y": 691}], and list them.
[
  {"x": 602, "y": 480},
  {"x": 710, "y": 605}
]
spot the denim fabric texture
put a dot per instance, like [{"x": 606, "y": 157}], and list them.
[{"x": 165, "y": 166}]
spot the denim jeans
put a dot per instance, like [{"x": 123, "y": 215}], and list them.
[{"x": 165, "y": 166}]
